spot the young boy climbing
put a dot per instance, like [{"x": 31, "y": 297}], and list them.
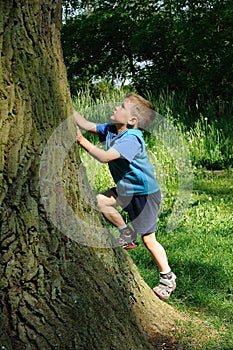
[{"x": 137, "y": 191}]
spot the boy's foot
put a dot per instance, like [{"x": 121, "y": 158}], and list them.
[
  {"x": 127, "y": 239},
  {"x": 166, "y": 286}
]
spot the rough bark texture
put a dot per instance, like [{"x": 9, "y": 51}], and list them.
[{"x": 55, "y": 293}]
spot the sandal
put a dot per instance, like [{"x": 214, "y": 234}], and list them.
[{"x": 166, "y": 287}]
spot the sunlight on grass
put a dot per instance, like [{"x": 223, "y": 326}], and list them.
[{"x": 200, "y": 252}]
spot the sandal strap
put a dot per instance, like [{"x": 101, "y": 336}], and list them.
[
  {"x": 166, "y": 283},
  {"x": 166, "y": 287}
]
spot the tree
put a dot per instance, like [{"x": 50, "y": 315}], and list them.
[
  {"x": 56, "y": 293},
  {"x": 97, "y": 46},
  {"x": 182, "y": 46}
]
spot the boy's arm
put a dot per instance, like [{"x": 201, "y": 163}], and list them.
[
  {"x": 97, "y": 153},
  {"x": 83, "y": 123}
]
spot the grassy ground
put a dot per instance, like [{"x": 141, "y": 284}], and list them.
[{"x": 200, "y": 252}]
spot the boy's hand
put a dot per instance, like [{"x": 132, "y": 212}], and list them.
[
  {"x": 79, "y": 134},
  {"x": 83, "y": 123},
  {"x": 99, "y": 154}
]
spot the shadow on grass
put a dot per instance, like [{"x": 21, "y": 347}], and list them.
[
  {"x": 198, "y": 283},
  {"x": 215, "y": 184},
  {"x": 206, "y": 287}
]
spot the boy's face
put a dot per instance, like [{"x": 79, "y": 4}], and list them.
[{"x": 122, "y": 114}]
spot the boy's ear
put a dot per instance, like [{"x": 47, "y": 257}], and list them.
[{"x": 133, "y": 120}]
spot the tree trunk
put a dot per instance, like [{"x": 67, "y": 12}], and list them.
[{"x": 57, "y": 291}]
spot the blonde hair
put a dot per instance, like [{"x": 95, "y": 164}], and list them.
[{"x": 142, "y": 109}]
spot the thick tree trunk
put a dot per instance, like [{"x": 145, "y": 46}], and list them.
[{"x": 56, "y": 293}]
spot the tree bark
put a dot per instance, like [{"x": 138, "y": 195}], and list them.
[{"x": 56, "y": 293}]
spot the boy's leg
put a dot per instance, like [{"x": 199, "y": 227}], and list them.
[
  {"x": 157, "y": 251},
  {"x": 106, "y": 202},
  {"x": 167, "y": 278}
]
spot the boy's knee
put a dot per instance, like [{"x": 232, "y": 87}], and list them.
[
  {"x": 99, "y": 199},
  {"x": 104, "y": 201},
  {"x": 148, "y": 238}
]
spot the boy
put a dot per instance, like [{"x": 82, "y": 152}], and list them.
[{"x": 137, "y": 190}]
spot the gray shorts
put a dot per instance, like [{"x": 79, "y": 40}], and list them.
[{"x": 142, "y": 210}]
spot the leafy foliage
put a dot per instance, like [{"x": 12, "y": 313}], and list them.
[{"x": 180, "y": 45}]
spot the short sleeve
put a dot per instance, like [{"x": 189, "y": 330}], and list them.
[
  {"x": 128, "y": 147},
  {"x": 102, "y": 130}
]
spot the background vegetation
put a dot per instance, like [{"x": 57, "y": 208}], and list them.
[
  {"x": 181, "y": 46},
  {"x": 179, "y": 53}
]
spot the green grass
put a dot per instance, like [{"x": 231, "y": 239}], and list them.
[
  {"x": 200, "y": 252},
  {"x": 199, "y": 246},
  {"x": 208, "y": 145}
]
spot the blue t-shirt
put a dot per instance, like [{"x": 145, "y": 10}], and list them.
[{"x": 132, "y": 172}]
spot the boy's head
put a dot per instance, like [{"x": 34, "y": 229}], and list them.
[{"x": 142, "y": 109}]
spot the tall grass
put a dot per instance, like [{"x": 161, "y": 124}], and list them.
[
  {"x": 209, "y": 141},
  {"x": 208, "y": 145},
  {"x": 205, "y": 145}
]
